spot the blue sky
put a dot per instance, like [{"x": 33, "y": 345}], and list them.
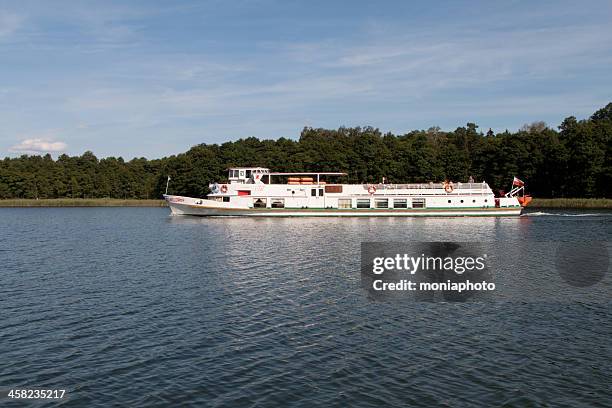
[{"x": 154, "y": 78}]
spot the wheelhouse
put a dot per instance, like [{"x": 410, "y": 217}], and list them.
[{"x": 247, "y": 175}]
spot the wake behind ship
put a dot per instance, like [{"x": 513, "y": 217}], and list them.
[{"x": 255, "y": 191}]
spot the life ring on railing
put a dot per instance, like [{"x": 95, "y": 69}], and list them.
[
  {"x": 371, "y": 189},
  {"x": 448, "y": 187},
  {"x": 224, "y": 189}
]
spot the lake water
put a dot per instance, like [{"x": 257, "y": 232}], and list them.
[{"x": 129, "y": 307}]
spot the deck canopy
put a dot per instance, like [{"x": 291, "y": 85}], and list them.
[
  {"x": 309, "y": 174},
  {"x": 308, "y": 180},
  {"x": 255, "y": 175}
]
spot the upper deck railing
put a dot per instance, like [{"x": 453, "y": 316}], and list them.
[{"x": 429, "y": 186}]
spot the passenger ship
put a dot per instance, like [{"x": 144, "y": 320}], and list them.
[{"x": 255, "y": 191}]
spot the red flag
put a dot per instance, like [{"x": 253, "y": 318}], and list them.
[{"x": 517, "y": 182}]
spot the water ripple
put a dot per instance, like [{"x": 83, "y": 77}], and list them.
[{"x": 130, "y": 307}]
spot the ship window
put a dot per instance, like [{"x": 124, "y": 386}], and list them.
[
  {"x": 363, "y": 203},
  {"x": 321, "y": 192},
  {"x": 259, "y": 203},
  {"x": 241, "y": 173},
  {"x": 449, "y": 201},
  {"x": 248, "y": 173},
  {"x": 473, "y": 201},
  {"x": 461, "y": 201},
  {"x": 485, "y": 200},
  {"x": 344, "y": 203},
  {"x": 400, "y": 203},
  {"x": 333, "y": 189},
  {"x": 381, "y": 203},
  {"x": 226, "y": 199},
  {"x": 418, "y": 203},
  {"x": 313, "y": 192},
  {"x": 278, "y": 203}
]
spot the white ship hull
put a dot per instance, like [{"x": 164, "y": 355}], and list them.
[{"x": 201, "y": 207}]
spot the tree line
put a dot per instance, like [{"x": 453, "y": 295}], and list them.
[{"x": 573, "y": 161}]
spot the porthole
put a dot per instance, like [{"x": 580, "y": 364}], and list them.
[
  {"x": 461, "y": 201},
  {"x": 449, "y": 201}
]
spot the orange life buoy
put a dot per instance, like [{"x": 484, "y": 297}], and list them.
[
  {"x": 224, "y": 189},
  {"x": 448, "y": 187},
  {"x": 371, "y": 189},
  {"x": 525, "y": 200}
]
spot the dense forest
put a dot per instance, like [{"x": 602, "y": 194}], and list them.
[{"x": 573, "y": 161}]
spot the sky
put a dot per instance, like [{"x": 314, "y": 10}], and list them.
[{"x": 151, "y": 78}]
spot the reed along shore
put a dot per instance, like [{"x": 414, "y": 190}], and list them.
[
  {"x": 81, "y": 202},
  {"x": 576, "y": 203}
]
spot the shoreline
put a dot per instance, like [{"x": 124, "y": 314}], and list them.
[
  {"x": 560, "y": 203},
  {"x": 572, "y": 203},
  {"x": 81, "y": 202}
]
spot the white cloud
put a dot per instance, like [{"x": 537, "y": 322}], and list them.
[{"x": 39, "y": 145}]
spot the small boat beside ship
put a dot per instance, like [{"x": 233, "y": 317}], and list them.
[{"x": 256, "y": 191}]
